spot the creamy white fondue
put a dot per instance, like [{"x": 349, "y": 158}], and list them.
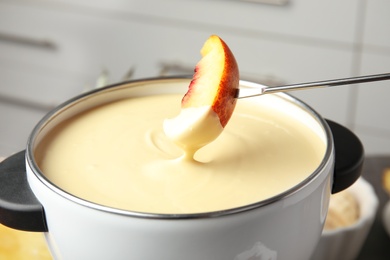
[
  {"x": 193, "y": 128},
  {"x": 117, "y": 155}
]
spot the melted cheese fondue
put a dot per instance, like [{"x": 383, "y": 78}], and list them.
[{"x": 117, "y": 155}]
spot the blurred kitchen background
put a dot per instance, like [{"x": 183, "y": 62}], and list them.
[{"x": 52, "y": 50}]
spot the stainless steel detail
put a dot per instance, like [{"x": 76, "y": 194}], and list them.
[
  {"x": 28, "y": 41},
  {"x": 317, "y": 84},
  {"x": 270, "y": 2}
]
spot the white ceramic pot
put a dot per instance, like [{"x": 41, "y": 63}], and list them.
[{"x": 287, "y": 226}]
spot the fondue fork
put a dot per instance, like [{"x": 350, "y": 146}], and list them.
[{"x": 256, "y": 91}]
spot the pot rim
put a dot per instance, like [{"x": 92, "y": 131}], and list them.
[{"x": 31, "y": 163}]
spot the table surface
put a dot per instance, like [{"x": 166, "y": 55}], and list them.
[{"x": 377, "y": 245}]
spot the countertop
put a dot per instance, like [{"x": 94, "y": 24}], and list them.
[{"x": 377, "y": 245}]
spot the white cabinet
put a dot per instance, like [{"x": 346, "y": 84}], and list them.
[
  {"x": 307, "y": 19},
  {"x": 53, "y": 50},
  {"x": 372, "y": 121},
  {"x": 376, "y": 26},
  {"x": 17, "y": 121}
]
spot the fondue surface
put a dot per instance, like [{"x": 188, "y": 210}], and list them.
[{"x": 117, "y": 155}]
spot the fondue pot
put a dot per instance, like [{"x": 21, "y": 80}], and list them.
[{"x": 286, "y": 226}]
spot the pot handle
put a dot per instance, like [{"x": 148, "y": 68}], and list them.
[
  {"x": 349, "y": 157},
  {"x": 19, "y": 208}
]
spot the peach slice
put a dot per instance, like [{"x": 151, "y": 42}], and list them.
[
  {"x": 210, "y": 100},
  {"x": 215, "y": 81}
]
